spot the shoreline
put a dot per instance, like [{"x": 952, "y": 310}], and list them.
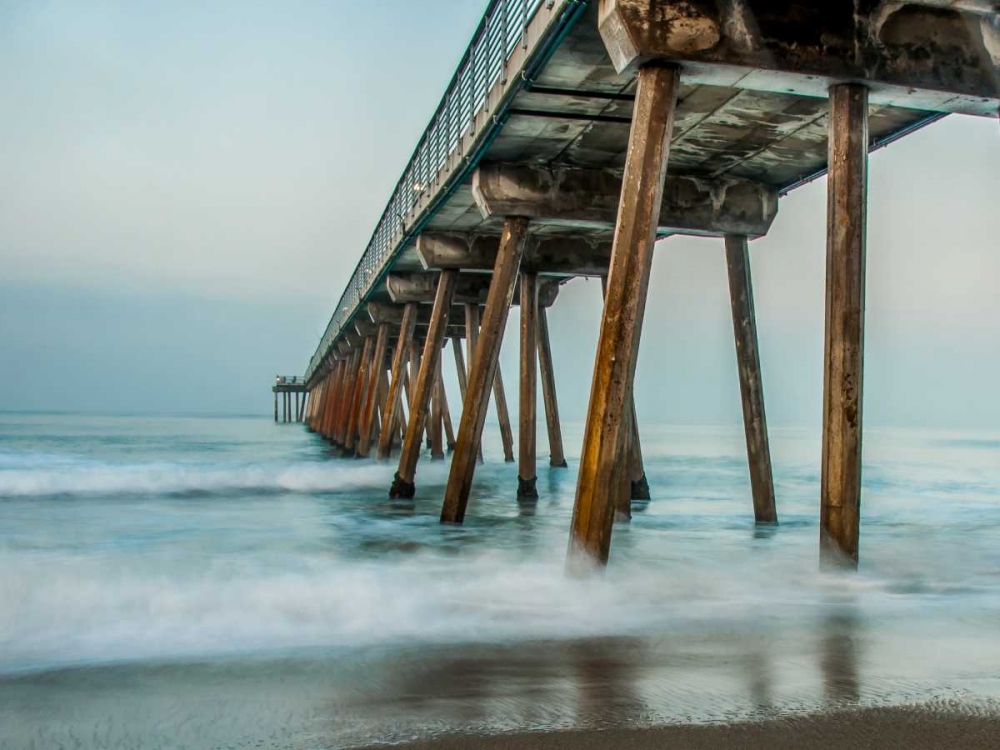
[{"x": 913, "y": 727}]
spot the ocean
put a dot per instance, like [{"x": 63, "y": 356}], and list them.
[{"x": 229, "y": 582}]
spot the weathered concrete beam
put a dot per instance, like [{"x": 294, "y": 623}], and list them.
[
  {"x": 557, "y": 256},
  {"x": 589, "y": 198},
  {"x": 353, "y": 339},
  {"x": 940, "y": 55},
  {"x": 419, "y": 287},
  {"x": 387, "y": 312}
]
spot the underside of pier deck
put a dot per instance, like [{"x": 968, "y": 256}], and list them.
[{"x": 605, "y": 126}]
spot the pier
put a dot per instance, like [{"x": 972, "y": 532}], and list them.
[
  {"x": 573, "y": 136},
  {"x": 292, "y": 393}
]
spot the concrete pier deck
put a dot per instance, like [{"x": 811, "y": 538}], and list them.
[{"x": 574, "y": 134}]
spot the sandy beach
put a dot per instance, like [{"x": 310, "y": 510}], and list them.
[{"x": 950, "y": 726}]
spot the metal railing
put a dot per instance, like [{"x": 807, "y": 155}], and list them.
[{"x": 485, "y": 62}]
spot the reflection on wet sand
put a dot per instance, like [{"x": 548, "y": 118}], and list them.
[
  {"x": 626, "y": 681},
  {"x": 757, "y": 672},
  {"x": 403, "y": 693},
  {"x": 607, "y": 674},
  {"x": 839, "y": 660}
]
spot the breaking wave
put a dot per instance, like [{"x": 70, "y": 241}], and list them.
[{"x": 47, "y": 475}]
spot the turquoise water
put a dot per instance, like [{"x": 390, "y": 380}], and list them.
[{"x": 206, "y": 582}]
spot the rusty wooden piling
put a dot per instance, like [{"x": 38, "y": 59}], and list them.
[
  {"x": 847, "y": 186},
  {"x": 449, "y": 429},
  {"x": 621, "y": 324},
  {"x": 393, "y": 405},
  {"x": 527, "y": 403},
  {"x": 376, "y": 373},
  {"x": 403, "y": 484},
  {"x": 360, "y": 391},
  {"x": 637, "y": 471},
  {"x": 503, "y": 417},
  {"x": 557, "y": 456},
  {"x": 751, "y": 383},
  {"x": 484, "y": 369},
  {"x": 437, "y": 417}
]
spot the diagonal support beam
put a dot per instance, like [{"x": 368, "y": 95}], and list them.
[
  {"x": 325, "y": 426},
  {"x": 393, "y": 407},
  {"x": 557, "y": 456},
  {"x": 499, "y": 396},
  {"x": 403, "y": 484},
  {"x": 751, "y": 381},
  {"x": 358, "y": 399},
  {"x": 621, "y": 324},
  {"x": 376, "y": 373},
  {"x": 637, "y": 471},
  {"x": 336, "y": 389},
  {"x": 345, "y": 407},
  {"x": 463, "y": 373},
  {"x": 437, "y": 418},
  {"x": 449, "y": 429},
  {"x": 503, "y": 417},
  {"x": 484, "y": 369}
]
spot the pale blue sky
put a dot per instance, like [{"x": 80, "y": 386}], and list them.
[{"x": 184, "y": 188}]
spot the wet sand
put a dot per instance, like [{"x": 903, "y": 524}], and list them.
[{"x": 913, "y": 728}]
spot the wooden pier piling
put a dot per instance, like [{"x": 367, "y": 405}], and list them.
[
  {"x": 847, "y": 186},
  {"x": 484, "y": 369},
  {"x": 622, "y": 475},
  {"x": 393, "y": 405},
  {"x": 329, "y": 403},
  {"x": 339, "y": 392},
  {"x": 751, "y": 385},
  {"x": 437, "y": 415},
  {"x": 345, "y": 401},
  {"x": 375, "y": 374},
  {"x": 621, "y": 324},
  {"x": 403, "y": 484},
  {"x": 527, "y": 478},
  {"x": 315, "y": 400},
  {"x": 557, "y": 456},
  {"x": 358, "y": 399},
  {"x": 462, "y": 369},
  {"x": 337, "y": 387},
  {"x": 637, "y": 471},
  {"x": 503, "y": 416},
  {"x": 383, "y": 394},
  {"x": 449, "y": 429}
]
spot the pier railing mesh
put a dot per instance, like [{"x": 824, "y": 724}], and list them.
[{"x": 503, "y": 28}]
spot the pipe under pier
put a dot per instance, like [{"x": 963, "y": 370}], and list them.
[{"x": 575, "y": 135}]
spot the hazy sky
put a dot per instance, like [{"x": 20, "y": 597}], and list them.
[{"x": 186, "y": 186}]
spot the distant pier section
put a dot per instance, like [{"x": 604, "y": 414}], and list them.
[{"x": 292, "y": 393}]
